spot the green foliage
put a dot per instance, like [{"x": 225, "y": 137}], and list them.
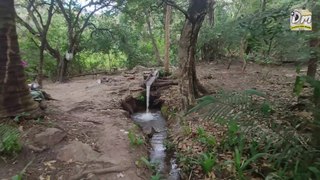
[
  {"x": 205, "y": 138},
  {"x": 150, "y": 165},
  {"x": 156, "y": 177},
  {"x": 9, "y": 140},
  {"x": 207, "y": 161},
  {"x": 135, "y": 140},
  {"x": 226, "y": 106},
  {"x": 240, "y": 164}
]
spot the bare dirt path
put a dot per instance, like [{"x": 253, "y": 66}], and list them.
[{"x": 84, "y": 134}]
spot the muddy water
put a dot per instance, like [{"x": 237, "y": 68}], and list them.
[{"x": 157, "y": 126}]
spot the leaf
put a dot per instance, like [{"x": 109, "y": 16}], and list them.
[
  {"x": 252, "y": 159},
  {"x": 17, "y": 177}
]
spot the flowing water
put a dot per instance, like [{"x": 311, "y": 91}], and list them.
[
  {"x": 158, "y": 156},
  {"x": 155, "y": 124},
  {"x": 148, "y": 97}
]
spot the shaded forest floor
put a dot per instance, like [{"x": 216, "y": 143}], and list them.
[
  {"x": 86, "y": 128},
  {"x": 288, "y": 122}
]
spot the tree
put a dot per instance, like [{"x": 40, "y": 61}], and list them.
[
  {"x": 77, "y": 23},
  {"x": 153, "y": 40},
  {"x": 314, "y": 42},
  {"x": 15, "y": 97},
  {"x": 167, "y": 39},
  {"x": 40, "y": 29},
  {"x": 189, "y": 85}
]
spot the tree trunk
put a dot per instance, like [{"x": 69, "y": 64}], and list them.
[
  {"x": 167, "y": 39},
  {"x": 40, "y": 69},
  {"x": 153, "y": 40},
  {"x": 62, "y": 71},
  {"x": 15, "y": 97},
  {"x": 44, "y": 42},
  {"x": 312, "y": 70},
  {"x": 211, "y": 12},
  {"x": 189, "y": 84}
]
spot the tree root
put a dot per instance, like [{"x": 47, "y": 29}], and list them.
[{"x": 113, "y": 169}]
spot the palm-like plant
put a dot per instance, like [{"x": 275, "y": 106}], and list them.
[{"x": 15, "y": 97}]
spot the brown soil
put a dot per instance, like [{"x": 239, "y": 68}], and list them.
[{"x": 96, "y": 127}]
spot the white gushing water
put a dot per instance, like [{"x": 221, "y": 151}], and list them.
[
  {"x": 149, "y": 82},
  {"x": 148, "y": 95}
]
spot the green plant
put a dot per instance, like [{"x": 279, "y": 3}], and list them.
[
  {"x": 233, "y": 137},
  {"x": 141, "y": 98},
  {"x": 135, "y": 139},
  {"x": 241, "y": 165},
  {"x": 226, "y": 106},
  {"x": 150, "y": 165},
  {"x": 157, "y": 176},
  {"x": 205, "y": 138},
  {"x": 9, "y": 140},
  {"x": 207, "y": 161}
]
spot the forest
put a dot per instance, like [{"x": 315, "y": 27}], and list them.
[{"x": 159, "y": 89}]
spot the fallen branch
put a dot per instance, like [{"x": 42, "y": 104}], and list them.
[
  {"x": 164, "y": 83},
  {"x": 113, "y": 169}
]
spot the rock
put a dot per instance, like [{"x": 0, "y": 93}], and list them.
[
  {"x": 77, "y": 151},
  {"x": 49, "y": 137}
]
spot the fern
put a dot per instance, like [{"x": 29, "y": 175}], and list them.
[
  {"x": 226, "y": 105},
  {"x": 9, "y": 139}
]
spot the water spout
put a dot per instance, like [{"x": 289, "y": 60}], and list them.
[
  {"x": 148, "y": 83},
  {"x": 148, "y": 96}
]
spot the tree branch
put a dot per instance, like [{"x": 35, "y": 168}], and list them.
[
  {"x": 34, "y": 19},
  {"x": 35, "y": 10},
  {"x": 174, "y": 5}
]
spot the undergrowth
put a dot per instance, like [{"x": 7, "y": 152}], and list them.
[
  {"x": 246, "y": 148},
  {"x": 9, "y": 140}
]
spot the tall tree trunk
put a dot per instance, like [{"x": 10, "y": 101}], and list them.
[
  {"x": 208, "y": 48},
  {"x": 167, "y": 39},
  {"x": 312, "y": 70},
  {"x": 44, "y": 41},
  {"x": 153, "y": 40},
  {"x": 211, "y": 12},
  {"x": 15, "y": 97},
  {"x": 189, "y": 85},
  {"x": 40, "y": 68}
]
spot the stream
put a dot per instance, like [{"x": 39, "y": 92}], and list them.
[
  {"x": 153, "y": 122},
  {"x": 166, "y": 166}
]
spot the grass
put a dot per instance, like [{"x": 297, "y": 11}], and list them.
[{"x": 135, "y": 140}]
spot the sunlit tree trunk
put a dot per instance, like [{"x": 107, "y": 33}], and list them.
[
  {"x": 15, "y": 97},
  {"x": 167, "y": 39},
  {"x": 189, "y": 85}
]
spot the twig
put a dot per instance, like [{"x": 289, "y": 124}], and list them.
[
  {"x": 113, "y": 169},
  {"x": 190, "y": 175}
]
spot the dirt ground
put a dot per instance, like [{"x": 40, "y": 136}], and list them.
[
  {"x": 91, "y": 127},
  {"x": 89, "y": 133}
]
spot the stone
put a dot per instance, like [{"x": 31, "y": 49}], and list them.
[
  {"x": 77, "y": 151},
  {"x": 49, "y": 137}
]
